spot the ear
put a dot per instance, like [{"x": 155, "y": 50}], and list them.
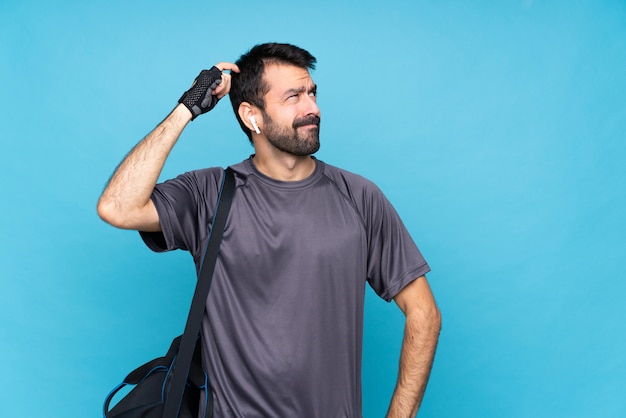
[{"x": 246, "y": 111}]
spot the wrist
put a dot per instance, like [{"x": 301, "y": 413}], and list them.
[{"x": 181, "y": 113}]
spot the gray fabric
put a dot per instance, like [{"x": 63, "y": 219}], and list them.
[{"x": 284, "y": 327}]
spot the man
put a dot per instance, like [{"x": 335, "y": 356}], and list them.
[{"x": 282, "y": 334}]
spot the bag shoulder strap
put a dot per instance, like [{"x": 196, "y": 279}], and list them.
[{"x": 198, "y": 303}]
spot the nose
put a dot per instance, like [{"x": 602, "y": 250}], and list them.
[{"x": 310, "y": 106}]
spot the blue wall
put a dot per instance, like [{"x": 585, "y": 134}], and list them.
[{"x": 497, "y": 129}]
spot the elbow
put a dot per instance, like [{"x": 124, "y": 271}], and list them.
[
  {"x": 121, "y": 216},
  {"x": 428, "y": 320},
  {"x": 436, "y": 320},
  {"x": 107, "y": 212},
  {"x": 431, "y": 318}
]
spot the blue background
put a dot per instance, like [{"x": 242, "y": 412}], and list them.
[{"x": 497, "y": 129}]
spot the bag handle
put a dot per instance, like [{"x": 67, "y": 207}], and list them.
[{"x": 194, "y": 320}]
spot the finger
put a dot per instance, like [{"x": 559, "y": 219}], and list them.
[
  {"x": 220, "y": 87},
  {"x": 224, "y": 66},
  {"x": 224, "y": 87}
]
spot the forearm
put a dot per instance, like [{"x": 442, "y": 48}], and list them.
[
  {"x": 132, "y": 183},
  {"x": 421, "y": 334}
]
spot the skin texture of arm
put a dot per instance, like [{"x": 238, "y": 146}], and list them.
[
  {"x": 125, "y": 202},
  {"x": 421, "y": 333}
]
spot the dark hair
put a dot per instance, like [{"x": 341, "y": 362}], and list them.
[{"x": 249, "y": 86}]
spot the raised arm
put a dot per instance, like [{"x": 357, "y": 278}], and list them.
[
  {"x": 421, "y": 333},
  {"x": 125, "y": 202}
]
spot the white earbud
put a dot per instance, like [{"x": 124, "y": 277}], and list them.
[{"x": 254, "y": 125}]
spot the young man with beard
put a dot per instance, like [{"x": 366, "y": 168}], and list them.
[{"x": 283, "y": 330}]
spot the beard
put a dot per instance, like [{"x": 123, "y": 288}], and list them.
[{"x": 294, "y": 140}]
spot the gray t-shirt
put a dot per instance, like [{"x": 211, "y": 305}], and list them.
[{"x": 284, "y": 324}]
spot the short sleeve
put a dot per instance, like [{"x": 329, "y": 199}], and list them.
[
  {"x": 394, "y": 260},
  {"x": 185, "y": 206}
]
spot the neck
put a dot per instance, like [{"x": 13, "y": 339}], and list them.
[{"x": 282, "y": 166}]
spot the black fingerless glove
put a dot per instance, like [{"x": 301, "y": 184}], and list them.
[{"x": 199, "y": 98}]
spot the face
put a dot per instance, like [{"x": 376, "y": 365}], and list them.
[{"x": 291, "y": 118}]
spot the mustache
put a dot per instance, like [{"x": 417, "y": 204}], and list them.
[{"x": 307, "y": 120}]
